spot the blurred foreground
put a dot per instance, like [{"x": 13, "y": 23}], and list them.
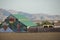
[{"x": 30, "y": 36}]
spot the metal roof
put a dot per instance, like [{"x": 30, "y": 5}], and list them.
[{"x": 24, "y": 20}]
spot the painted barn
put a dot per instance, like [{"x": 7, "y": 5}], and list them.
[{"x": 15, "y": 19}]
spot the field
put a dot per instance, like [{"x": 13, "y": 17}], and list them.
[{"x": 30, "y": 36}]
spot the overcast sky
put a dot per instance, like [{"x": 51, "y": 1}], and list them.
[{"x": 32, "y": 6}]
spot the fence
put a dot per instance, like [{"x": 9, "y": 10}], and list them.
[{"x": 44, "y": 30}]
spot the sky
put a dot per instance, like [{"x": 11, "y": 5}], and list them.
[{"x": 32, "y": 6}]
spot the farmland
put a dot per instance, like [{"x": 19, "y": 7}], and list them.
[{"x": 30, "y": 36}]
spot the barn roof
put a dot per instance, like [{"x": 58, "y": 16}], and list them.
[{"x": 24, "y": 20}]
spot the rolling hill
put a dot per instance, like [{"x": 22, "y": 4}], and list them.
[{"x": 41, "y": 16}]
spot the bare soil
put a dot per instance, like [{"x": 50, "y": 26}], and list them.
[{"x": 30, "y": 36}]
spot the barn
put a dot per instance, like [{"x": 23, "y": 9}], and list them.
[{"x": 15, "y": 19}]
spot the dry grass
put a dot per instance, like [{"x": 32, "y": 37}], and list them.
[{"x": 30, "y": 36}]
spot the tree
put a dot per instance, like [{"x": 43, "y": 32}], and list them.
[{"x": 46, "y": 23}]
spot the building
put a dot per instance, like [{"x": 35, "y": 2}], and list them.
[
  {"x": 57, "y": 25},
  {"x": 14, "y": 19}
]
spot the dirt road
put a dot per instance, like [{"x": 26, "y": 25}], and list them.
[{"x": 30, "y": 36}]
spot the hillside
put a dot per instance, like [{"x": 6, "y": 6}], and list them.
[{"x": 41, "y": 16}]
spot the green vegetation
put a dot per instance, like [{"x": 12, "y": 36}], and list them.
[{"x": 46, "y": 23}]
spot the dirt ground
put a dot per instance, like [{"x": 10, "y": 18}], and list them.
[{"x": 30, "y": 36}]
